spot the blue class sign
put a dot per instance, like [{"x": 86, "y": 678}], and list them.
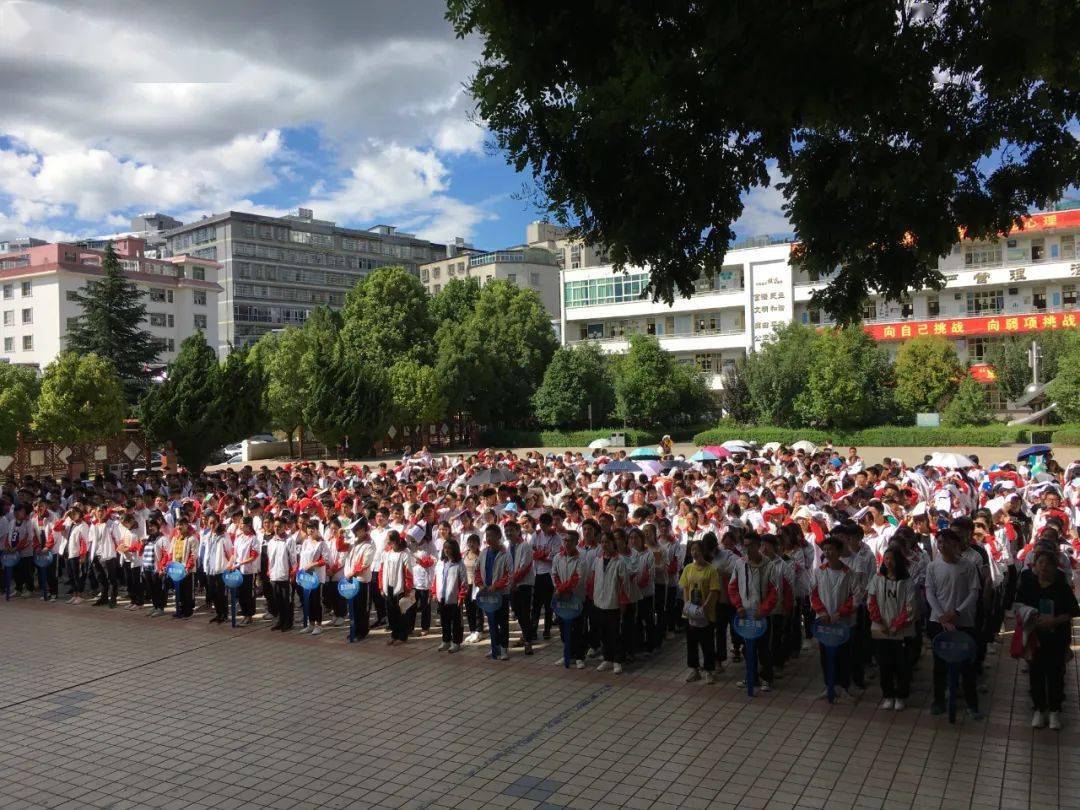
[
  {"x": 232, "y": 579},
  {"x": 43, "y": 559},
  {"x": 348, "y": 588},
  {"x": 749, "y": 628},
  {"x": 955, "y": 647},
  {"x": 9, "y": 559},
  {"x": 307, "y": 580},
  {"x": 489, "y": 602},
  {"x": 568, "y": 609},
  {"x": 176, "y": 571},
  {"x": 832, "y": 634}
]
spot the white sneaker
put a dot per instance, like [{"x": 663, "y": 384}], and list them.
[
  {"x": 503, "y": 654},
  {"x": 1038, "y": 720},
  {"x": 604, "y": 666},
  {"x": 823, "y": 694},
  {"x": 133, "y": 606},
  {"x": 70, "y": 599},
  {"x": 693, "y": 675},
  {"x": 579, "y": 664},
  {"x": 307, "y": 629},
  {"x": 593, "y": 653},
  {"x": 560, "y": 662},
  {"x": 444, "y": 646},
  {"x": 887, "y": 704},
  {"x": 710, "y": 678},
  {"x": 455, "y": 647},
  {"x": 898, "y": 705},
  {"x": 1055, "y": 721},
  {"x": 316, "y": 631},
  {"x": 766, "y": 686},
  {"x": 617, "y": 669},
  {"x": 472, "y": 638},
  {"x": 78, "y": 600}
]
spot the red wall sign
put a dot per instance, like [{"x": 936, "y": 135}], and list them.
[
  {"x": 983, "y": 372},
  {"x": 968, "y": 327}
]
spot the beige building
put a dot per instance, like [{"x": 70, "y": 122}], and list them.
[
  {"x": 533, "y": 268},
  {"x": 570, "y": 254}
]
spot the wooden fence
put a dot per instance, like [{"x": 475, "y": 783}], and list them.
[{"x": 120, "y": 454}]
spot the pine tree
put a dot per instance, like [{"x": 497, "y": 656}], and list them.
[{"x": 110, "y": 326}]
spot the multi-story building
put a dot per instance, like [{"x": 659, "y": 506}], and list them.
[
  {"x": 20, "y": 243},
  {"x": 276, "y": 270},
  {"x": 529, "y": 267},
  {"x": 38, "y": 286},
  {"x": 570, "y": 254},
  {"x": 151, "y": 228},
  {"x": 1025, "y": 282}
]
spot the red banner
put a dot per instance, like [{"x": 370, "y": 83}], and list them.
[
  {"x": 969, "y": 327},
  {"x": 983, "y": 372}
]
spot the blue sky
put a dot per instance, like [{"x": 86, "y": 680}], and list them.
[{"x": 354, "y": 109}]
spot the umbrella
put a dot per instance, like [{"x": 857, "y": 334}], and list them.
[
  {"x": 490, "y": 475},
  {"x": 645, "y": 453},
  {"x": 1034, "y": 450},
  {"x": 737, "y": 446},
  {"x": 599, "y": 444},
  {"x": 950, "y": 461},
  {"x": 806, "y": 446},
  {"x": 675, "y": 464},
  {"x": 770, "y": 447},
  {"x": 620, "y": 466},
  {"x": 705, "y": 455},
  {"x": 649, "y": 467},
  {"x": 716, "y": 450}
]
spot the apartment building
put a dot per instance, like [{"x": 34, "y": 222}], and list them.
[
  {"x": 38, "y": 285},
  {"x": 570, "y": 254},
  {"x": 1024, "y": 282},
  {"x": 276, "y": 270}
]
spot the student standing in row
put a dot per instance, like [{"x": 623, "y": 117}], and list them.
[
  {"x": 450, "y": 587},
  {"x": 700, "y": 583},
  {"x": 891, "y": 602}
]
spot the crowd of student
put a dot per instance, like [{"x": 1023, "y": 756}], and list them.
[{"x": 629, "y": 560}]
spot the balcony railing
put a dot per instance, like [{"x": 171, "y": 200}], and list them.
[
  {"x": 666, "y": 336},
  {"x": 1027, "y": 309}
]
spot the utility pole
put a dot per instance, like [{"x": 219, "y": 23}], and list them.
[{"x": 1034, "y": 356}]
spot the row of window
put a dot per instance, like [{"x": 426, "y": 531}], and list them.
[
  {"x": 989, "y": 254},
  {"x": 614, "y": 290},
  {"x": 281, "y": 233},
  {"x": 293, "y": 275},
  {"x": 305, "y": 257},
  {"x": 264, "y": 314},
  {"x": 9, "y": 316},
  {"x": 332, "y": 299},
  {"x": 196, "y": 237},
  {"x": 27, "y": 344},
  {"x": 989, "y": 301},
  {"x": 26, "y": 290}
]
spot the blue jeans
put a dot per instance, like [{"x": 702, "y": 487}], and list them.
[{"x": 500, "y": 625}]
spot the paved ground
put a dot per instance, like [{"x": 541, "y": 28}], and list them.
[{"x": 105, "y": 708}]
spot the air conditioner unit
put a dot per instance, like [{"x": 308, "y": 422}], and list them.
[{"x": 1014, "y": 290}]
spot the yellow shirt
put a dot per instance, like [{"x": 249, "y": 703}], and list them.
[{"x": 701, "y": 580}]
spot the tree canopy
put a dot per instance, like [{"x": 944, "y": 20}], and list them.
[
  {"x": 1064, "y": 388},
  {"x": 927, "y": 372},
  {"x": 652, "y": 389},
  {"x": 110, "y": 326},
  {"x": 576, "y": 377},
  {"x": 349, "y": 397},
  {"x": 776, "y": 375},
  {"x": 969, "y": 405},
  {"x": 385, "y": 319},
  {"x": 19, "y": 388},
  {"x": 895, "y": 125},
  {"x": 81, "y": 400},
  {"x": 849, "y": 384}
]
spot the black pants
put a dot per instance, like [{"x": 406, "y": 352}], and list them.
[
  {"x": 154, "y": 588},
  {"x": 133, "y": 583},
  {"x": 660, "y": 617},
  {"x": 703, "y": 639},
  {"x": 861, "y": 647},
  {"x": 628, "y": 630},
  {"x": 217, "y": 595},
  {"x": 592, "y": 626},
  {"x": 52, "y": 578},
  {"x": 378, "y": 598},
  {"x": 185, "y": 595},
  {"x": 763, "y": 652},
  {"x": 361, "y": 610},
  {"x": 399, "y": 622},
  {"x": 314, "y": 604},
  {"x": 281, "y": 599},
  {"x": 894, "y": 664},
  {"x": 245, "y": 595},
  {"x": 610, "y": 640},
  {"x": 841, "y": 662},
  {"x": 645, "y": 619},
  {"x": 422, "y": 608},
  {"x": 333, "y": 602},
  {"x": 573, "y": 631},
  {"x": 266, "y": 587},
  {"x": 778, "y": 625},
  {"x": 724, "y": 614},
  {"x": 76, "y": 575},
  {"x": 109, "y": 574},
  {"x": 967, "y": 672},
  {"x": 1046, "y": 674},
  {"x": 1011, "y": 580},
  {"x": 543, "y": 590},
  {"x": 90, "y": 574},
  {"x": 23, "y": 573},
  {"x": 473, "y": 613},
  {"x": 450, "y": 618},
  {"x": 522, "y": 602}
]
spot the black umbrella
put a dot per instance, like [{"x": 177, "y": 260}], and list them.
[
  {"x": 675, "y": 464},
  {"x": 490, "y": 475}
]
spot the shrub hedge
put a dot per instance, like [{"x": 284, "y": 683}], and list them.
[{"x": 888, "y": 436}]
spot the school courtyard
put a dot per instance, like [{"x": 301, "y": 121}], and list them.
[{"x": 112, "y": 709}]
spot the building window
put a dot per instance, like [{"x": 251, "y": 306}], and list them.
[
  {"x": 435, "y": 289},
  {"x": 71, "y": 295},
  {"x": 27, "y": 289},
  {"x": 1038, "y": 249},
  {"x": 1068, "y": 295},
  {"x": 982, "y": 255},
  {"x": 199, "y": 273},
  {"x": 869, "y": 312},
  {"x": 705, "y": 361},
  {"x": 933, "y": 306},
  {"x": 9, "y": 317},
  {"x": 1038, "y": 298},
  {"x": 9, "y": 292},
  {"x": 978, "y": 348},
  {"x": 27, "y": 316},
  {"x": 157, "y": 319},
  {"x": 425, "y": 275},
  {"x": 609, "y": 290},
  {"x": 200, "y": 298},
  {"x": 985, "y": 301},
  {"x": 1068, "y": 247},
  {"x": 157, "y": 296},
  {"x": 534, "y": 279},
  {"x": 512, "y": 278},
  {"x": 72, "y": 324},
  {"x": 200, "y": 322},
  {"x": 9, "y": 344},
  {"x": 28, "y": 343}
]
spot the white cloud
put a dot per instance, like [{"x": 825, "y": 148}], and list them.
[{"x": 762, "y": 211}]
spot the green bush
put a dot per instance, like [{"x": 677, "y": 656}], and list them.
[
  {"x": 1066, "y": 435},
  {"x": 888, "y": 436},
  {"x": 1027, "y": 431},
  {"x": 561, "y": 438}
]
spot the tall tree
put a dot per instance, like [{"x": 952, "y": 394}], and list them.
[
  {"x": 927, "y": 372},
  {"x": 418, "y": 394},
  {"x": 849, "y": 384},
  {"x": 887, "y": 119},
  {"x": 349, "y": 398},
  {"x": 576, "y": 377},
  {"x": 651, "y": 389},
  {"x": 1064, "y": 388},
  {"x": 81, "y": 400},
  {"x": 19, "y": 387},
  {"x": 385, "y": 319},
  {"x": 110, "y": 326},
  {"x": 1009, "y": 356},
  {"x": 776, "y": 375},
  {"x": 454, "y": 302},
  {"x": 734, "y": 397},
  {"x": 969, "y": 405}
]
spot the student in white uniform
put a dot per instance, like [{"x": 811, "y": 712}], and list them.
[{"x": 450, "y": 587}]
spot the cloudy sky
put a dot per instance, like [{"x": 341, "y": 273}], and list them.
[{"x": 355, "y": 109}]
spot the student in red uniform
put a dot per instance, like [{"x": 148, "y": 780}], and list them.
[
  {"x": 891, "y": 603},
  {"x": 832, "y": 598}
]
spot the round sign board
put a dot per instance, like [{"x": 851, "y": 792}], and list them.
[
  {"x": 307, "y": 580},
  {"x": 832, "y": 634},
  {"x": 955, "y": 647},
  {"x": 43, "y": 559},
  {"x": 348, "y": 588},
  {"x": 232, "y": 579},
  {"x": 750, "y": 628},
  {"x": 489, "y": 602},
  {"x": 568, "y": 608},
  {"x": 9, "y": 559},
  {"x": 176, "y": 571}
]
